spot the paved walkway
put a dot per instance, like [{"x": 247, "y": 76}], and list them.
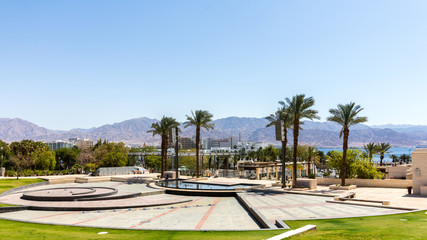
[
  {"x": 399, "y": 197},
  {"x": 288, "y": 206},
  {"x": 211, "y": 213},
  {"x": 202, "y": 213}
]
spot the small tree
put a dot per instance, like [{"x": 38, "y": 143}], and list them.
[{"x": 382, "y": 149}]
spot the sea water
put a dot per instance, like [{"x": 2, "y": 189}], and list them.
[{"x": 398, "y": 151}]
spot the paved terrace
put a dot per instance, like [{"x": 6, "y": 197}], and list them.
[{"x": 212, "y": 213}]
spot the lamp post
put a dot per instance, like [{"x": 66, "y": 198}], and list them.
[{"x": 176, "y": 152}]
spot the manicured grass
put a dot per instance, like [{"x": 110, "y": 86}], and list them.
[
  {"x": 19, "y": 230},
  {"x": 398, "y": 226},
  {"x": 7, "y": 184}
]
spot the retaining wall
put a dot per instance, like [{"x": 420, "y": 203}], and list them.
[{"x": 386, "y": 183}]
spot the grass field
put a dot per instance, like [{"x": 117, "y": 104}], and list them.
[
  {"x": 19, "y": 230},
  {"x": 7, "y": 184},
  {"x": 399, "y": 226}
]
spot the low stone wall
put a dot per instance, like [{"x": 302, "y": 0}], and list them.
[
  {"x": 92, "y": 179},
  {"x": 386, "y": 183},
  {"x": 306, "y": 182}
]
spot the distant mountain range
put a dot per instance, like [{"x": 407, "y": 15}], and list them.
[{"x": 134, "y": 132}]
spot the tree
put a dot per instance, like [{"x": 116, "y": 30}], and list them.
[
  {"x": 270, "y": 153},
  {"x": 4, "y": 153},
  {"x": 312, "y": 156},
  {"x": 199, "y": 119},
  {"x": 68, "y": 156},
  {"x": 111, "y": 154},
  {"x": 405, "y": 158},
  {"x": 346, "y": 116},
  {"x": 115, "y": 159},
  {"x": 162, "y": 128},
  {"x": 284, "y": 116},
  {"x": 25, "y": 152},
  {"x": 357, "y": 165},
  {"x": 45, "y": 161},
  {"x": 299, "y": 108},
  {"x": 382, "y": 150},
  {"x": 370, "y": 149},
  {"x": 86, "y": 157},
  {"x": 394, "y": 158}
]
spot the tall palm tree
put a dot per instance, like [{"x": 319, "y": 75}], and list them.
[
  {"x": 283, "y": 115},
  {"x": 162, "y": 128},
  {"x": 382, "y": 150},
  {"x": 299, "y": 108},
  {"x": 370, "y": 149},
  {"x": 199, "y": 119},
  {"x": 346, "y": 116}
]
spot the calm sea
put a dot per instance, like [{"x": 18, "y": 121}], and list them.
[{"x": 396, "y": 151}]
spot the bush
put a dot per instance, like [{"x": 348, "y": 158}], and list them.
[
  {"x": 10, "y": 173},
  {"x": 312, "y": 176},
  {"x": 327, "y": 174},
  {"x": 357, "y": 165}
]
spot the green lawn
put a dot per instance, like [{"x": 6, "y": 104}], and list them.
[
  {"x": 18, "y": 230},
  {"x": 399, "y": 226},
  {"x": 7, "y": 184}
]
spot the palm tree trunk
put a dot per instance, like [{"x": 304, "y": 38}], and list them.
[
  {"x": 344, "y": 156},
  {"x": 162, "y": 153},
  {"x": 309, "y": 165},
  {"x": 283, "y": 164},
  {"x": 197, "y": 149},
  {"x": 381, "y": 159},
  {"x": 294, "y": 169},
  {"x": 166, "y": 151},
  {"x": 284, "y": 143}
]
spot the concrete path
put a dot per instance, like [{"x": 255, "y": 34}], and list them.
[
  {"x": 288, "y": 206},
  {"x": 202, "y": 213}
]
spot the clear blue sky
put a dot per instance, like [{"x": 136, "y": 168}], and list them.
[{"x": 70, "y": 64}]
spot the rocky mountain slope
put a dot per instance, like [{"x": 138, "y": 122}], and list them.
[{"x": 134, "y": 131}]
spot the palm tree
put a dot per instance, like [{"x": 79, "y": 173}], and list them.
[
  {"x": 394, "y": 158},
  {"x": 382, "y": 150},
  {"x": 312, "y": 155},
  {"x": 162, "y": 128},
  {"x": 346, "y": 116},
  {"x": 199, "y": 119},
  {"x": 283, "y": 115},
  {"x": 405, "y": 158},
  {"x": 370, "y": 149},
  {"x": 299, "y": 108}
]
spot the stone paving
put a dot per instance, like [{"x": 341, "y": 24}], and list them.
[
  {"x": 210, "y": 213},
  {"x": 202, "y": 213},
  {"x": 288, "y": 206}
]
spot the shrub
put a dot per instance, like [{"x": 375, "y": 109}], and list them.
[
  {"x": 327, "y": 174},
  {"x": 10, "y": 173},
  {"x": 357, "y": 164},
  {"x": 312, "y": 176}
]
